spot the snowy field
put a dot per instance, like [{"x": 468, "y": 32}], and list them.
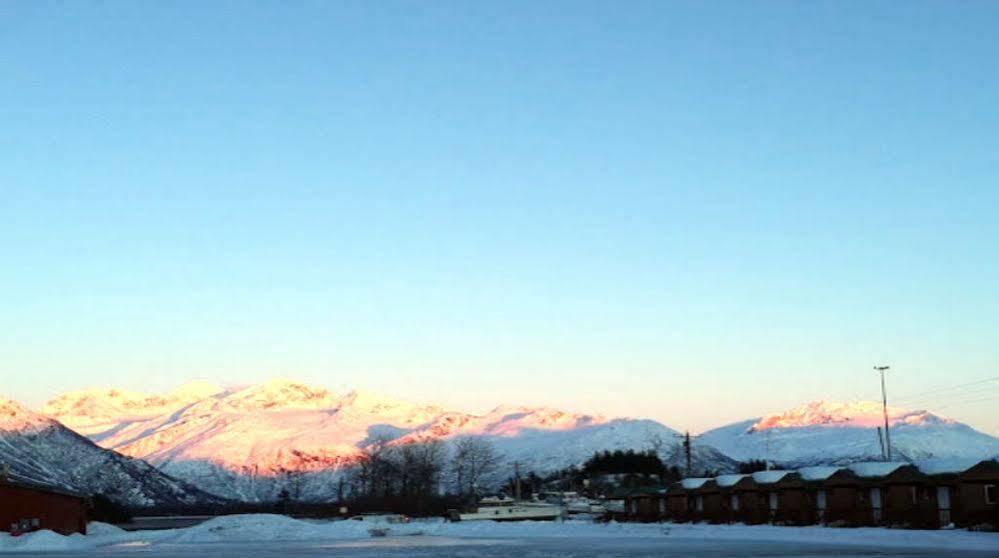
[{"x": 277, "y": 536}]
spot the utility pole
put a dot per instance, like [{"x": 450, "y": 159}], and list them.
[
  {"x": 881, "y": 442},
  {"x": 766, "y": 461},
  {"x": 884, "y": 407},
  {"x": 686, "y": 451},
  {"x": 516, "y": 476}
]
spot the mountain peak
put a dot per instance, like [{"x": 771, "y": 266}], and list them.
[
  {"x": 857, "y": 414},
  {"x": 15, "y": 417},
  {"x": 280, "y": 394}
]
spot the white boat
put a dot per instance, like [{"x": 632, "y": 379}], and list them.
[
  {"x": 508, "y": 509},
  {"x": 575, "y": 503}
]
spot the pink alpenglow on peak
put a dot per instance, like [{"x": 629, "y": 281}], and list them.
[
  {"x": 831, "y": 433},
  {"x": 863, "y": 414},
  {"x": 248, "y": 443},
  {"x": 94, "y": 411},
  {"x": 14, "y": 417}
]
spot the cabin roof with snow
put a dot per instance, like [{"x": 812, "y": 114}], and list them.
[
  {"x": 693, "y": 483},
  {"x": 946, "y": 466},
  {"x": 987, "y": 471},
  {"x": 873, "y": 469},
  {"x": 814, "y": 474},
  {"x": 726, "y": 481},
  {"x": 770, "y": 477}
]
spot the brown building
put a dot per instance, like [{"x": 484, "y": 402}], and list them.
[
  {"x": 927, "y": 495},
  {"x": 729, "y": 501},
  {"x": 28, "y": 507},
  {"x": 978, "y": 499},
  {"x": 645, "y": 504},
  {"x": 944, "y": 476},
  {"x": 684, "y": 500},
  {"x": 909, "y": 499},
  {"x": 815, "y": 493},
  {"x": 748, "y": 502},
  {"x": 774, "y": 499}
]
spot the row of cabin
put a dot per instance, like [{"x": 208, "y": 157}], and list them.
[
  {"x": 26, "y": 507},
  {"x": 926, "y": 495}
]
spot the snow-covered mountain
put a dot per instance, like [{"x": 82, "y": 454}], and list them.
[
  {"x": 825, "y": 432},
  {"x": 250, "y": 443},
  {"x": 41, "y": 450}
]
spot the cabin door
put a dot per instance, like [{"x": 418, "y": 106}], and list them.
[
  {"x": 876, "y": 504},
  {"x": 943, "y": 505},
  {"x": 820, "y": 505}
]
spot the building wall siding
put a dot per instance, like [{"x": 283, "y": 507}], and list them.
[{"x": 57, "y": 512}]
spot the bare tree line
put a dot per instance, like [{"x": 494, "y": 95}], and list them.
[{"x": 425, "y": 468}]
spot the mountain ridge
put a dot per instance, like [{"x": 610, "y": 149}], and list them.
[
  {"x": 41, "y": 450},
  {"x": 250, "y": 442},
  {"x": 245, "y": 443},
  {"x": 834, "y": 433}
]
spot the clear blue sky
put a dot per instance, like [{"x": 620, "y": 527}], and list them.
[{"x": 692, "y": 211}]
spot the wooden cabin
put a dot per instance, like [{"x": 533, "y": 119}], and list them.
[
  {"x": 794, "y": 501},
  {"x": 815, "y": 500},
  {"x": 28, "y": 507},
  {"x": 845, "y": 500},
  {"x": 909, "y": 499},
  {"x": 978, "y": 499},
  {"x": 645, "y": 504},
  {"x": 770, "y": 501},
  {"x": 944, "y": 478},
  {"x": 708, "y": 498},
  {"x": 684, "y": 500},
  {"x": 729, "y": 501},
  {"x": 750, "y": 501},
  {"x": 677, "y": 503}
]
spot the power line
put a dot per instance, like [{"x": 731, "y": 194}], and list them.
[
  {"x": 938, "y": 390},
  {"x": 948, "y": 397},
  {"x": 970, "y": 401}
]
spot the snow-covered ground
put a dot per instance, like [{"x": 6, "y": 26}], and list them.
[{"x": 271, "y": 535}]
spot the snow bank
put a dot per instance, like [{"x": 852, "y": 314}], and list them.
[{"x": 267, "y": 528}]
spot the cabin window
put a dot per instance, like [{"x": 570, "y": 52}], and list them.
[
  {"x": 773, "y": 500},
  {"x": 913, "y": 495},
  {"x": 821, "y": 499},
  {"x": 700, "y": 503},
  {"x": 990, "y": 494},
  {"x": 735, "y": 502}
]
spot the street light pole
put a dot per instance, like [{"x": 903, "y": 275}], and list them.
[{"x": 884, "y": 407}]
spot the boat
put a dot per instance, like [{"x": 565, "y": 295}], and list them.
[
  {"x": 508, "y": 509},
  {"x": 575, "y": 503}
]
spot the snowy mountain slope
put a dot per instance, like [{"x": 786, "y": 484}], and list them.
[
  {"x": 97, "y": 413},
  {"x": 835, "y": 433},
  {"x": 252, "y": 442},
  {"x": 41, "y": 450}
]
